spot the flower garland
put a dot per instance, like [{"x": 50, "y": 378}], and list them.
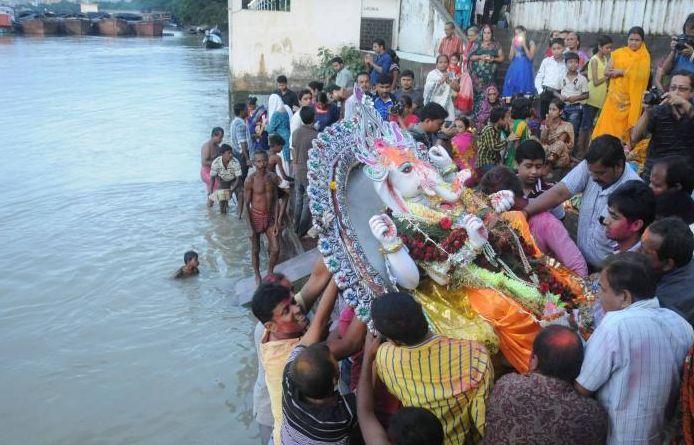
[{"x": 432, "y": 240}]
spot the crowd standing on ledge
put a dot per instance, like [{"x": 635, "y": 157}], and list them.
[{"x": 585, "y": 133}]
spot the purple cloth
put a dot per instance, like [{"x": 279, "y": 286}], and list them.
[{"x": 552, "y": 239}]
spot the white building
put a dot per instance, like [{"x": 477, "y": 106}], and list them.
[{"x": 272, "y": 37}]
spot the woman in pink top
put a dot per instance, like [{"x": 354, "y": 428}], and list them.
[{"x": 463, "y": 145}]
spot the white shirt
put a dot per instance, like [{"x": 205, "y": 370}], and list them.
[
  {"x": 294, "y": 124},
  {"x": 550, "y": 74},
  {"x": 350, "y": 103},
  {"x": 574, "y": 87},
  {"x": 261, "y": 396},
  {"x": 634, "y": 362},
  {"x": 594, "y": 244}
]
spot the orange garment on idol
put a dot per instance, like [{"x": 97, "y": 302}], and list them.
[
  {"x": 484, "y": 314},
  {"x": 622, "y": 107}
]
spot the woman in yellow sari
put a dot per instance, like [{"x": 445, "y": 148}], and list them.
[{"x": 628, "y": 71}]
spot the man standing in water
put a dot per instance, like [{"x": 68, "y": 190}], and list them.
[
  {"x": 208, "y": 153},
  {"x": 228, "y": 171},
  {"x": 260, "y": 196}
]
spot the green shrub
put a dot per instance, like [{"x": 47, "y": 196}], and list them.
[{"x": 323, "y": 70}]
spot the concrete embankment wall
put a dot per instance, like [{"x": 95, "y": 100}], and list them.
[{"x": 265, "y": 44}]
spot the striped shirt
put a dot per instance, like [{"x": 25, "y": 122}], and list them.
[
  {"x": 634, "y": 362},
  {"x": 449, "y": 377},
  {"x": 489, "y": 146},
  {"x": 451, "y": 45},
  {"x": 306, "y": 423},
  {"x": 239, "y": 133},
  {"x": 591, "y": 239}
]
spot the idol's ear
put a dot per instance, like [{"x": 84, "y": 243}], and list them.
[{"x": 390, "y": 197}]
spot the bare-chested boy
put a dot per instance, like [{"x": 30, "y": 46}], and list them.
[
  {"x": 208, "y": 153},
  {"x": 190, "y": 265},
  {"x": 260, "y": 196},
  {"x": 274, "y": 164},
  {"x": 228, "y": 171}
]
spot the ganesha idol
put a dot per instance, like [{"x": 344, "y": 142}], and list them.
[{"x": 394, "y": 216}]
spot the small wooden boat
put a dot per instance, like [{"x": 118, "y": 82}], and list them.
[
  {"x": 213, "y": 39},
  {"x": 6, "y": 19},
  {"x": 42, "y": 26},
  {"x": 149, "y": 28},
  {"x": 77, "y": 26},
  {"x": 114, "y": 27}
]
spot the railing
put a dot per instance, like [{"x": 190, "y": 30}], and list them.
[{"x": 267, "y": 5}]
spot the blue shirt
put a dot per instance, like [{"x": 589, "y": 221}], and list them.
[
  {"x": 383, "y": 106},
  {"x": 683, "y": 63},
  {"x": 384, "y": 61}
]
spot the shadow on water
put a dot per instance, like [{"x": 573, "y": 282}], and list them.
[{"x": 101, "y": 198}]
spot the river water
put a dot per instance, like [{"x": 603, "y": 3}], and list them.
[{"x": 100, "y": 141}]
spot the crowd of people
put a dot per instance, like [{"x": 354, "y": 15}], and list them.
[{"x": 584, "y": 134}]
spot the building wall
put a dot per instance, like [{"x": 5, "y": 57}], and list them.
[
  {"x": 382, "y": 9},
  {"x": 265, "y": 44},
  {"x": 421, "y": 26},
  {"x": 657, "y": 17}
]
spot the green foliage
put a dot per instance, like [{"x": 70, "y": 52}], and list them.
[
  {"x": 64, "y": 7},
  {"x": 141, "y": 5},
  {"x": 190, "y": 12},
  {"x": 353, "y": 58},
  {"x": 199, "y": 12}
]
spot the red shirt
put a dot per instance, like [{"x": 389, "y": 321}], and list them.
[{"x": 451, "y": 45}]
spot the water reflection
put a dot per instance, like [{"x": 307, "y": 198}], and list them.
[{"x": 101, "y": 198}]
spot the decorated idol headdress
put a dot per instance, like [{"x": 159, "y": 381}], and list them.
[{"x": 342, "y": 199}]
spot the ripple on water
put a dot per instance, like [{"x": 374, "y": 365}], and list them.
[{"x": 101, "y": 197}]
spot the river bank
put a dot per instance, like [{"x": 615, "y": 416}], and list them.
[{"x": 101, "y": 198}]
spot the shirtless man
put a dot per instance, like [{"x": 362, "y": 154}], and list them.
[
  {"x": 208, "y": 153},
  {"x": 274, "y": 164},
  {"x": 260, "y": 196}
]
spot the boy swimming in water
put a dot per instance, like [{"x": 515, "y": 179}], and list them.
[
  {"x": 260, "y": 196},
  {"x": 190, "y": 267}
]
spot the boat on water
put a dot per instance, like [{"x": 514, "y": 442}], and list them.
[
  {"x": 213, "y": 39},
  {"x": 78, "y": 26},
  {"x": 112, "y": 26},
  {"x": 42, "y": 26},
  {"x": 149, "y": 28},
  {"x": 6, "y": 20}
]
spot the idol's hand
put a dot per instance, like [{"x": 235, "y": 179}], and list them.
[
  {"x": 439, "y": 157},
  {"x": 384, "y": 230},
  {"x": 502, "y": 201},
  {"x": 476, "y": 232}
]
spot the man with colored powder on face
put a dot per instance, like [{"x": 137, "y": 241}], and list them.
[
  {"x": 602, "y": 171},
  {"x": 285, "y": 325},
  {"x": 631, "y": 208}
]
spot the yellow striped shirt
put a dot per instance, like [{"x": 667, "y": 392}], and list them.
[{"x": 449, "y": 377}]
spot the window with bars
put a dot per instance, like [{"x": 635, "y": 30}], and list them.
[{"x": 266, "y": 5}]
